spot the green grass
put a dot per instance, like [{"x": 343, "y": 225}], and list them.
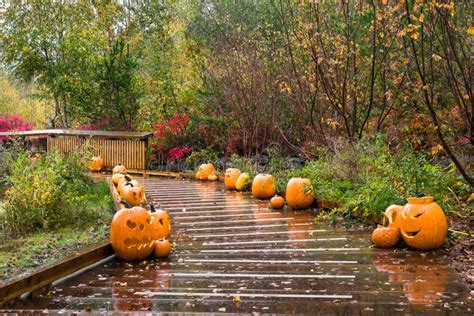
[{"x": 21, "y": 256}]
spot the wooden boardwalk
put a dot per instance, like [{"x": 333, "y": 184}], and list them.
[{"x": 234, "y": 255}]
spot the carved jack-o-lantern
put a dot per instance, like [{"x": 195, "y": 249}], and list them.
[
  {"x": 423, "y": 224},
  {"x": 160, "y": 220},
  {"x": 133, "y": 195},
  {"x": 131, "y": 234}
]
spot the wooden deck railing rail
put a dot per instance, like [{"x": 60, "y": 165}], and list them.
[{"x": 114, "y": 147}]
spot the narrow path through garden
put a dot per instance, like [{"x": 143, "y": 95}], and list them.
[{"x": 233, "y": 254}]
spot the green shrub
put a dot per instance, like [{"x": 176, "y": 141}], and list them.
[
  {"x": 365, "y": 178},
  {"x": 244, "y": 164},
  {"x": 50, "y": 192},
  {"x": 202, "y": 156}
]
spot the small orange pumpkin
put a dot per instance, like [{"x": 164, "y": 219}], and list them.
[
  {"x": 131, "y": 234},
  {"x": 96, "y": 164},
  {"x": 277, "y": 202},
  {"x": 162, "y": 248},
  {"x": 299, "y": 193},
  {"x": 230, "y": 178},
  {"x": 385, "y": 237},
  {"x": 119, "y": 169},
  {"x": 263, "y": 186},
  {"x": 212, "y": 177},
  {"x": 204, "y": 171},
  {"x": 161, "y": 223},
  {"x": 423, "y": 224}
]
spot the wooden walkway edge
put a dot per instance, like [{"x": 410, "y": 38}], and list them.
[{"x": 47, "y": 275}]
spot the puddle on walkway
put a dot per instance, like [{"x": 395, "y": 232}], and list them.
[{"x": 234, "y": 255}]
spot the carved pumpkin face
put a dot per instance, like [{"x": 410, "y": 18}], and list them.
[
  {"x": 230, "y": 178},
  {"x": 263, "y": 186},
  {"x": 134, "y": 195},
  {"x": 204, "y": 171},
  {"x": 96, "y": 164},
  {"x": 243, "y": 182},
  {"x": 299, "y": 193},
  {"x": 423, "y": 224},
  {"x": 161, "y": 223},
  {"x": 119, "y": 169},
  {"x": 131, "y": 234},
  {"x": 277, "y": 202}
]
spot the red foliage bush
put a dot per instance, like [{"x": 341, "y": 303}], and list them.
[
  {"x": 11, "y": 122},
  {"x": 171, "y": 137}
]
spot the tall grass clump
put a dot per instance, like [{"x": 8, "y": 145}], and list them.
[{"x": 51, "y": 190}]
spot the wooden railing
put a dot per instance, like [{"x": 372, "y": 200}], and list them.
[{"x": 129, "y": 148}]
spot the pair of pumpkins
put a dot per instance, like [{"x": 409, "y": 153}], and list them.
[
  {"x": 234, "y": 179},
  {"x": 96, "y": 164},
  {"x": 299, "y": 191},
  {"x": 421, "y": 223},
  {"x": 206, "y": 172},
  {"x": 136, "y": 233}
]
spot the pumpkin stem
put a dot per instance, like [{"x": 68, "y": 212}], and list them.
[{"x": 152, "y": 208}]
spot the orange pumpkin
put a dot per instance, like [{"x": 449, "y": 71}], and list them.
[
  {"x": 212, "y": 177},
  {"x": 423, "y": 224},
  {"x": 161, "y": 223},
  {"x": 204, "y": 171},
  {"x": 96, "y": 164},
  {"x": 277, "y": 202},
  {"x": 394, "y": 215},
  {"x": 119, "y": 169},
  {"x": 133, "y": 195},
  {"x": 385, "y": 237},
  {"x": 230, "y": 178},
  {"x": 263, "y": 186},
  {"x": 131, "y": 234},
  {"x": 116, "y": 177},
  {"x": 162, "y": 248},
  {"x": 127, "y": 181},
  {"x": 299, "y": 193}
]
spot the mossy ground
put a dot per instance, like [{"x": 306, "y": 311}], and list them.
[{"x": 22, "y": 255}]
